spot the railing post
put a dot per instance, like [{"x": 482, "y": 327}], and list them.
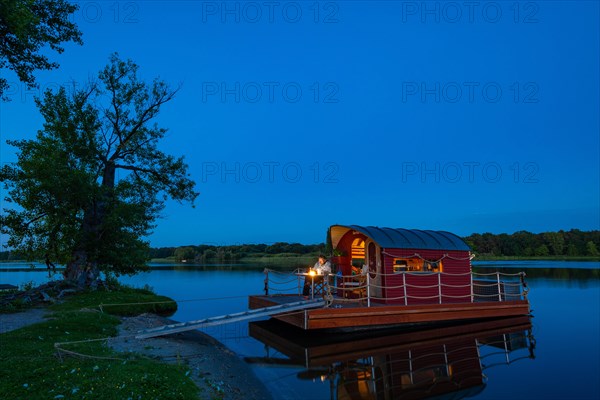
[
  {"x": 266, "y": 272},
  {"x": 440, "y": 285},
  {"x": 328, "y": 296},
  {"x": 472, "y": 289},
  {"x": 404, "y": 287},
  {"x": 506, "y": 350},
  {"x": 499, "y": 286},
  {"x": 368, "y": 289},
  {"x": 524, "y": 288}
]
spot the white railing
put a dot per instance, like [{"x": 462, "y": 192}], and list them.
[{"x": 364, "y": 289}]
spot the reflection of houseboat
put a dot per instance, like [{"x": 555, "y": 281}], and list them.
[
  {"x": 409, "y": 277},
  {"x": 449, "y": 360}
]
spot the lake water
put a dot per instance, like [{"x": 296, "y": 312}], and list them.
[{"x": 558, "y": 358}]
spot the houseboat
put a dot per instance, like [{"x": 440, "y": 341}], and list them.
[{"x": 385, "y": 277}]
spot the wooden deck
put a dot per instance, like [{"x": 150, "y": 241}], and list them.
[{"x": 354, "y": 315}]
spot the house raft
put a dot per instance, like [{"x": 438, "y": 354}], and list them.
[{"x": 387, "y": 277}]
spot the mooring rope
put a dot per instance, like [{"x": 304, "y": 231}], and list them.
[{"x": 101, "y": 305}]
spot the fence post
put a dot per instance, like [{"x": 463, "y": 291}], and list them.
[
  {"x": 472, "y": 289},
  {"x": 404, "y": 286},
  {"x": 328, "y": 296},
  {"x": 368, "y": 289},
  {"x": 499, "y": 286},
  {"x": 524, "y": 288},
  {"x": 440, "y": 286},
  {"x": 266, "y": 272}
]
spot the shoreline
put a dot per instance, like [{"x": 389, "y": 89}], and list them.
[{"x": 217, "y": 371}]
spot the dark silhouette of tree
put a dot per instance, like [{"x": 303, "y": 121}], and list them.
[
  {"x": 26, "y": 27},
  {"x": 71, "y": 204}
]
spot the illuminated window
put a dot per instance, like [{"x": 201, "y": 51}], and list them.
[
  {"x": 400, "y": 265},
  {"x": 358, "y": 248},
  {"x": 415, "y": 264},
  {"x": 358, "y": 255}
]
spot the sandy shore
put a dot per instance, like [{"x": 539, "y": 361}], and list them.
[
  {"x": 214, "y": 368},
  {"x": 217, "y": 371}
]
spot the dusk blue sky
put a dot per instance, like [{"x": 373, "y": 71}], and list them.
[{"x": 294, "y": 116}]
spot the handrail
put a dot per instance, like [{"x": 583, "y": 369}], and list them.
[{"x": 370, "y": 286}]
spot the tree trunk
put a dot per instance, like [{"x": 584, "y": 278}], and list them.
[{"x": 83, "y": 268}]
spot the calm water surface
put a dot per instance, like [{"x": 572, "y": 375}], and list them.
[{"x": 559, "y": 360}]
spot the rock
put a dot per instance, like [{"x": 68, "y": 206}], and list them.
[
  {"x": 65, "y": 291},
  {"x": 47, "y": 298}
]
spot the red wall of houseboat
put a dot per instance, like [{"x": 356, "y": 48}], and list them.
[{"x": 456, "y": 262}]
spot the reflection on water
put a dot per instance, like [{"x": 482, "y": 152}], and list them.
[{"x": 394, "y": 364}]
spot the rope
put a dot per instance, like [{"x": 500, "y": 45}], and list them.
[
  {"x": 60, "y": 349},
  {"x": 417, "y": 255},
  {"x": 101, "y": 305},
  {"x": 493, "y": 289}
]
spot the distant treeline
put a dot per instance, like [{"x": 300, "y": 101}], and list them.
[
  {"x": 203, "y": 253},
  {"x": 573, "y": 243}
]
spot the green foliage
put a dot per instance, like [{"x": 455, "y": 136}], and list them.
[
  {"x": 31, "y": 369},
  {"x": 519, "y": 244},
  {"x": 339, "y": 253},
  {"x": 71, "y": 205},
  {"x": 571, "y": 243},
  {"x": 591, "y": 249},
  {"x": 26, "y": 27},
  {"x": 574, "y": 243},
  {"x": 27, "y": 286},
  {"x": 556, "y": 241},
  {"x": 185, "y": 253},
  {"x": 236, "y": 252},
  {"x": 542, "y": 251}
]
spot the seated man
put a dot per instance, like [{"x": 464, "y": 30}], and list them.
[{"x": 321, "y": 268}]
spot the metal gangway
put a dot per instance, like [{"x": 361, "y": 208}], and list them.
[{"x": 228, "y": 318}]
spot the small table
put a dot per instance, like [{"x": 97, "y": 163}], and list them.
[{"x": 315, "y": 287}]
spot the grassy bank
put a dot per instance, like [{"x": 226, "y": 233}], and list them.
[{"x": 31, "y": 368}]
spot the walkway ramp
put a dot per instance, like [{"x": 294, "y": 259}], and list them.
[{"x": 226, "y": 319}]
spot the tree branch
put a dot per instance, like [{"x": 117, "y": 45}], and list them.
[
  {"x": 146, "y": 116},
  {"x": 42, "y": 215},
  {"x": 136, "y": 169}
]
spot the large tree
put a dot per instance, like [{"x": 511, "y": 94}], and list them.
[
  {"x": 28, "y": 26},
  {"x": 90, "y": 186}
]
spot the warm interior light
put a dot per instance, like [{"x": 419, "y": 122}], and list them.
[{"x": 312, "y": 272}]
